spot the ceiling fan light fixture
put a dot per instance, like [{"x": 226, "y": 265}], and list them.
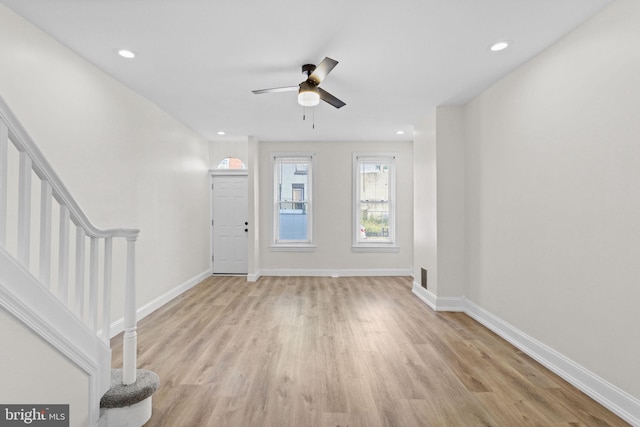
[
  {"x": 308, "y": 99},
  {"x": 308, "y": 95}
]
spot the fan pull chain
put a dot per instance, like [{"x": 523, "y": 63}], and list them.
[{"x": 313, "y": 116}]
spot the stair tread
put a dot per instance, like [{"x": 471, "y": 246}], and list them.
[{"x": 120, "y": 395}]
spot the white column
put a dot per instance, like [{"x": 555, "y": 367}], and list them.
[{"x": 130, "y": 339}]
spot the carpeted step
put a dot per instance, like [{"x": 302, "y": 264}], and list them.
[{"x": 120, "y": 396}]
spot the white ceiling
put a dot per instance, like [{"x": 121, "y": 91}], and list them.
[{"x": 199, "y": 59}]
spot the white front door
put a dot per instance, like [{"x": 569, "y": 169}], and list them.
[{"x": 230, "y": 224}]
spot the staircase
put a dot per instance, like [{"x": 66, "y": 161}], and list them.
[{"x": 73, "y": 317}]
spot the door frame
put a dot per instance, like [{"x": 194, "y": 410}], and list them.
[{"x": 213, "y": 173}]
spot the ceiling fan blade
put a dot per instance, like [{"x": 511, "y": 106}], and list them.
[
  {"x": 276, "y": 90},
  {"x": 330, "y": 99},
  {"x": 323, "y": 68}
]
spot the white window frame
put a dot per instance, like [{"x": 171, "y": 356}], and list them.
[
  {"x": 292, "y": 245},
  {"x": 389, "y": 244}
]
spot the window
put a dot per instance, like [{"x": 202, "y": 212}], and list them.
[
  {"x": 231, "y": 163},
  {"x": 292, "y": 201},
  {"x": 374, "y": 202}
]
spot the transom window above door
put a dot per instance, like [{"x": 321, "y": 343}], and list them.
[{"x": 231, "y": 163}]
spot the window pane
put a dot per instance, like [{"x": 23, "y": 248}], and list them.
[
  {"x": 374, "y": 181},
  {"x": 293, "y": 200},
  {"x": 374, "y": 221},
  {"x": 373, "y": 205},
  {"x": 292, "y": 181},
  {"x": 293, "y": 222}
]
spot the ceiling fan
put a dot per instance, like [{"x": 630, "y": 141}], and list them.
[{"x": 309, "y": 92}]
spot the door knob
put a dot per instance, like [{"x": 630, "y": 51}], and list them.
[
  {"x": 246, "y": 223},
  {"x": 246, "y": 230}
]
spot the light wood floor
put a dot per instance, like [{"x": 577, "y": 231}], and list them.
[{"x": 357, "y": 352}]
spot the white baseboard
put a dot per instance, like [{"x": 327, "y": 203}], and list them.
[
  {"x": 153, "y": 305},
  {"x": 438, "y": 303},
  {"x": 426, "y": 296},
  {"x": 253, "y": 277},
  {"x": 608, "y": 395},
  {"x": 372, "y": 272},
  {"x": 450, "y": 304}
]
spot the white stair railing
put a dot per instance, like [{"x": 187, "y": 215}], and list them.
[{"x": 86, "y": 300}]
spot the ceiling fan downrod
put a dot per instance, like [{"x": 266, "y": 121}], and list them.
[{"x": 308, "y": 69}]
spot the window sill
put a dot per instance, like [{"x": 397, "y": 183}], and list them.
[
  {"x": 376, "y": 248},
  {"x": 293, "y": 248}
]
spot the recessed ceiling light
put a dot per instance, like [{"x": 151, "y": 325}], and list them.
[
  {"x": 125, "y": 53},
  {"x": 400, "y": 132},
  {"x": 221, "y": 132},
  {"x": 497, "y": 47}
]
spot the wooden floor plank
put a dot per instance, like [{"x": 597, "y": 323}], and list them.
[{"x": 343, "y": 352}]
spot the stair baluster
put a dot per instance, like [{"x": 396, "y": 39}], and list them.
[{"x": 46, "y": 194}]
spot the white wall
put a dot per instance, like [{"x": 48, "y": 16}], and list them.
[
  {"x": 553, "y": 196},
  {"x": 425, "y": 237},
  {"x": 35, "y": 373},
  {"x": 439, "y": 223},
  {"x": 255, "y": 214},
  {"x": 127, "y": 162},
  {"x": 450, "y": 201},
  {"x": 332, "y": 199}
]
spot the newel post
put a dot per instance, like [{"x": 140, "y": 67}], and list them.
[{"x": 130, "y": 339}]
